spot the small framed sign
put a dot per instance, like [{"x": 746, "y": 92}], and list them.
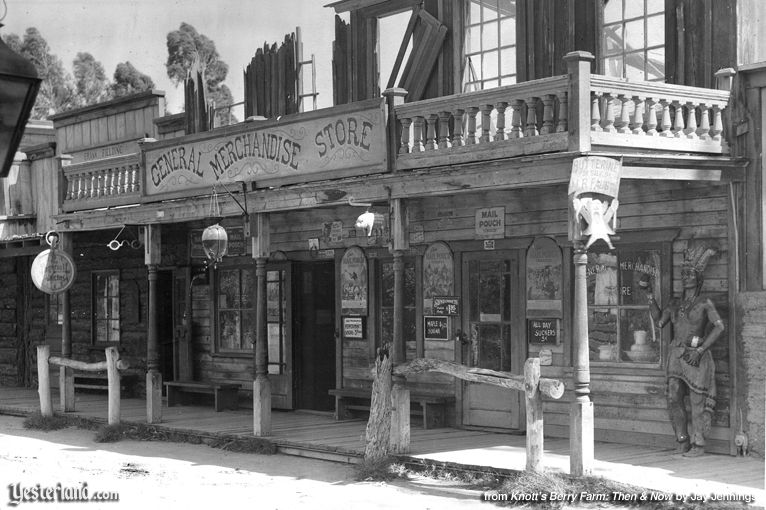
[
  {"x": 435, "y": 327},
  {"x": 543, "y": 331},
  {"x": 353, "y": 327},
  {"x": 447, "y": 305}
]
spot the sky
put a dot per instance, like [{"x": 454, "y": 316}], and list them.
[{"x": 115, "y": 31}]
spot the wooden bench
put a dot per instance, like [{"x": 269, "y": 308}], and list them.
[
  {"x": 432, "y": 408},
  {"x": 226, "y": 395},
  {"x": 99, "y": 381}
]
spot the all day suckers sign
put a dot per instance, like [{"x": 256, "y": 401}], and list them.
[{"x": 334, "y": 142}]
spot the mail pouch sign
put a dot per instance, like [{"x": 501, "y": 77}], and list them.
[{"x": 343, "y": 142}]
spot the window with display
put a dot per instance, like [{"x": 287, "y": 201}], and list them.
[
  {"x": 234, "y": 309},
  {"x": 106, "y": 306},
  {"x": 620, "y": 328},
  {"x": 386, "y": 333}
]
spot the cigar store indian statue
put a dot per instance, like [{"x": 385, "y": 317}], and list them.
[{"x": 696, "y": 326}]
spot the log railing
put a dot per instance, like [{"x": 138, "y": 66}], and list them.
[
  {"x": 112, "y": 365},
  {"x": 112, "y": 182},
  {"x": 530, "y": 383}
]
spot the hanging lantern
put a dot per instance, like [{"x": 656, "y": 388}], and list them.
[
  {"x": 18, "y": 89},
  {"x": 215, "y": 242}
]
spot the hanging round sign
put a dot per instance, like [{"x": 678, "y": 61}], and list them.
[{"x": 53, "y": 270}]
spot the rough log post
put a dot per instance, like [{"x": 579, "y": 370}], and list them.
[
  {"x": 534, "y": 415},
  {"x": 113, "y": 383},
  {"x": 43, "y": 380},
  {"x": 378, "y": 433}
]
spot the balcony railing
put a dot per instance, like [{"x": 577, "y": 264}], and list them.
[{"x": 576, "y": 112}]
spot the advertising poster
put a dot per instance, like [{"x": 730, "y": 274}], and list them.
[{"x": 353, "y": 282}]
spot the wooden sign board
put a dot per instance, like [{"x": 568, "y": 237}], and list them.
[
  {"x": 542, "y": 331},
  {"x": 447, "y": 305},
  {"x": 334, "y": 142},
  {"x": 595, "y": 174},
  {"x": 490, "y": 222},
  {"x": 353, "y": 328},
  {"x": 104, "y": 152},
  {"x": 435, "y": 327}
]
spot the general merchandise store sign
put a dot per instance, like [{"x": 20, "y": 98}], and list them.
[{"x": 333, "y": 142}]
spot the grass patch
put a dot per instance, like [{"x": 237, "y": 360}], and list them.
[
  {"x": 37, "y": 421},
  {"x": 109, "y": 433},
  {"x": 243, "y": 444},
  {"x": 384, "y": 469}
]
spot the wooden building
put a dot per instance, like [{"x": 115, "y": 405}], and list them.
[{"x": 429, "y": 209}]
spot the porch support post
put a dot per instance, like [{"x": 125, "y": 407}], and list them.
[
  {"x": 394, "y": 97},
  {"x": 66, "y": 374},
  {"x": 400, "y": 395},
  {"x": 579, "y": 115},
  {"x": 261, "y": 384},
  {"x": 152, "y": 256},
  {"x": 581, "y": 414}
]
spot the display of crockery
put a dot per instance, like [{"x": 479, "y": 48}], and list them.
[{"x": 642, "y": 355}]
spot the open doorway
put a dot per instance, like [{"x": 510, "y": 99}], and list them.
[{"x": 314, "y": 328}]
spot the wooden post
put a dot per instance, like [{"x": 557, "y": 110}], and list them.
[
  {"x": 113, "y": 383},
  {"x": 394, "y": 97},
  {"x": 581, "y": 414},
  {"x": 153, "y": 376},
  {"x": 66, "y": 375},
  {"x": 579, "y": 116},
  {"x": 43, "y": 380},
  {"x": 400, "y": 395},
  {"x": 534, "y": 415},
  {"x": 261, "y": 384}
]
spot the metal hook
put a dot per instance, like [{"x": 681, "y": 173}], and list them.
[{"x": 351, "y": 202}]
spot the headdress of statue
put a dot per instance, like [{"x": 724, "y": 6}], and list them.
[{"x": 697, "y": 256}]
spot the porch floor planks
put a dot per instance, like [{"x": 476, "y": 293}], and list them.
[{"x": 660, "y": 469}]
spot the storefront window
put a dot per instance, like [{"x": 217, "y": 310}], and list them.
[
  {"x": 234, "y": 309},
  {"x": 387, "y": 306},
  {"x": 106, "y": 306},
  {"x": 276, "y": 316},
  {"x": 620, "y": 328},
  {"x": 55, "y": 309}
]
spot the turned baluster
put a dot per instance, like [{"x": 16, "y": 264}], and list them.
[
  {"x": 472, "y": 111},
  {"x": 609, "y": 114},
  {"x": 678, "y": 125},
  {"x": 516, "y": 131},
  {"x": 93, "y": 184},
  {"x": 486, "y": 122},
  {"x": 134, "y": 178},
  {"x": 563, "y": 125},
  {"x": 80, "y": 186},
  {"x": 70, "y": 188},
  {"x": 531, "y": 129},
  {"x": 547, "y": 126},
  {"x": 623, "y": 123},
  {"x": 417, "y": 134},
  {"x": 431, "y": 120},
  {"x": 637, "y": 126},
  {"x": 458, "y": 140},
  {"x": 717, "y": 128},
  {"x": 703, "y": 132},
  {"x": 595, "y": 112},
  {"x": 112, "y": 176},
  {"x": 500, "y": 133},
  {"x": 691, "y": 121},
  {"x": 665, "y": 123},
  {"x": 404, "y": 146},
  {"x": 651, "y": 117},
  {"x": 444, "y": 140}
]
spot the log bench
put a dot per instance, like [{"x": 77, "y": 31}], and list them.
[
  {"x": 432, "y": 408},
  {"x": 98, "y": 381},
  {"x": 225, "y": 395}
]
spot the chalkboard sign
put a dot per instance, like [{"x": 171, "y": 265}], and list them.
[
  {"x": 435, "y": 328},
  {"x": 446, "y": 305},
  {"x": 542, "y": 331}
]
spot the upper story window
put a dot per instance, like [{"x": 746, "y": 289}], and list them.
[
  {"x": 490, "y": 47},
  {"x": 633, "y": 43},
  {"x": 106, "y": 306}
]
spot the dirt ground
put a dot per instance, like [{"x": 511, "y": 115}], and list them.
[{"x": 150, "y": 474}]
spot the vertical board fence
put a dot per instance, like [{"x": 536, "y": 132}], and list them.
[
  {"x": 271, "y": 80},
  {"x": 112, "y": 365}
]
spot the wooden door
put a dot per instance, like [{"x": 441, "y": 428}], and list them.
[
  {"x": 182, "y": 352},
  {"x": 492, "y": 319},
  {"x": 279, "y": 334}
]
